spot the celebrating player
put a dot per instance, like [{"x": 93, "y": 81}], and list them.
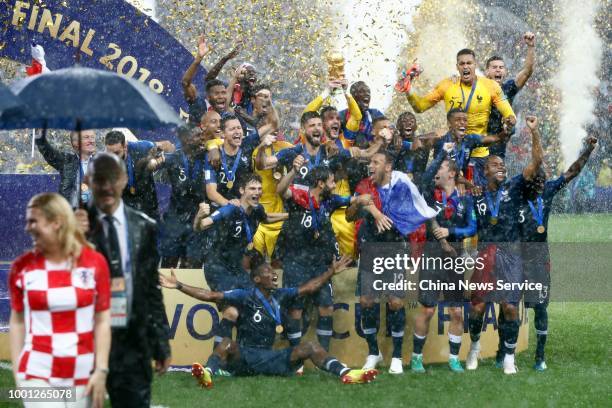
[
  {"x": 533, "y": 221},
  {"x": 463, "y": 144},
  {"x": 455, "y": 220},
  {"x": 222, "y": 184},
  {"x": 475, "y": 95},
  {"x": 260, "y": 321},
  {"x": 313, "y": 152},
  {"x": 498, "y": 212},
  {"x": 185, "y": 170},
  {"x": 496, "y": 70},
  {"x": 397, "y": 210},
  {"x": 307, "y": 244},
  {"x": 235, "y": 227}
]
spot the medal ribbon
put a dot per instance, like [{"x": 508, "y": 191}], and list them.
[
  {"x": 247, "y": 226},
  {"x": 538, "y": 214},
  {"x": 273, "y": 310},
  {"x": 307, "y": 157},
  {"x": 469, "y": 101},
  {"x": 231, "y": 174},
  {"x": 315, "y": 214},
  {"x": 494, "y": 209}
]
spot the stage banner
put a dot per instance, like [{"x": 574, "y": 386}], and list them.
[
  {"x": 192, "y": 325},
  {"x": 105, "y": 34}
]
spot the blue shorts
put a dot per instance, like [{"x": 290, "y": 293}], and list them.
[
  {"x": 221, "y": 277},
  {"x": 509, "y": 269},
  {"x": 258, "y": 361},
  {"x": 178, "y": 238},
  {"x": 296, "y": 274},
  {"x": 536, "y": 267}
]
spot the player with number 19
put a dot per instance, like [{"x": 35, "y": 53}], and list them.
[{"x": 498, "y": 230}]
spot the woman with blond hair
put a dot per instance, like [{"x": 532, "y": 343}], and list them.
[{"x": 60, "y": 318}]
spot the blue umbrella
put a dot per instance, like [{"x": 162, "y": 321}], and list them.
[
  {"x": 80, "y": 98},
  {"x": 84, "y": 98},
  {"x": 9, "y": 103}
]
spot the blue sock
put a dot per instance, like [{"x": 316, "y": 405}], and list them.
[
  {"x": 511, "y": 329},
  {"x": 417, "y": 343},
  {"x": 541, "y": 326},
  {"x": 223, "y": 331},
  {"x": 475, "y": 326},
  {"x": 294, "y": 331},
  {"x": 396, "y": 320},
  {"x": 213, "y": 363},
  {"x": 454, "y": 343},
  {"x": 325, "y": 330},
  {"x": 501, "y": 350},
  {"x": 331, "y": 365},
  {"x": 369, "y": 319}
]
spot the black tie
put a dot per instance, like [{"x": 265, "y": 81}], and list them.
[{"x": 115, "y": 251}]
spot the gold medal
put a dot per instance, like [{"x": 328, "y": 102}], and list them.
[
  {"x": 230, "y": 184},
  {"x": 250, "y": 246},
  {"x": 541, "y": 229},
  {"x": 279, "y": 328},
  {"x": 133, "y": 190},
  {"x": 277, "y": 175},
  {"x": 84, "y": 187},
  {"x": 493, "y": 220}
]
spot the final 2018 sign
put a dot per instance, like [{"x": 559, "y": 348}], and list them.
[{"x": 107, "y": 34}]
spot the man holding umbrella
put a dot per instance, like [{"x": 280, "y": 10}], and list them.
[
  {"x": 71, "y": 165},
  {"x": 127, "y": 239}
]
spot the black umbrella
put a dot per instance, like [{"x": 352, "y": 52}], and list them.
[{"x": 80, "y": 98}]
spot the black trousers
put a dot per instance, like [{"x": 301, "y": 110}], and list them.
[{"x": 130, "y": 386}]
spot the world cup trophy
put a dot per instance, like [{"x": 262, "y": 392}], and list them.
[{"x": 335, "y": 71}]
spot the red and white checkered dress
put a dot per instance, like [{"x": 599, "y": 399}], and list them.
[{"x": 59, "y": 306}]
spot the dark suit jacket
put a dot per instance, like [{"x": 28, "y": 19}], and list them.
[
  {"x": 146, "y": 336},
  {"x": 66, "y": 163}
]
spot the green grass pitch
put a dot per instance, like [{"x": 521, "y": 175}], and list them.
[{"x": 579, "y": 358}]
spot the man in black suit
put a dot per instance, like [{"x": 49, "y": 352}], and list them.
[
  {"x": 127, "y": 238},
  {"x": 71, "y": 165}
]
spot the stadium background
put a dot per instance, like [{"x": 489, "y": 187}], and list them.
[{"x": 287, "y": 43}]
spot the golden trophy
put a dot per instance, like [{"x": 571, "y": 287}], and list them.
[
  {"x": 335, "y": 64},
  {"x": 335, "y": 68}
]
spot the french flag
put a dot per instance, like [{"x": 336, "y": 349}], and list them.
[
  {"x": 39, "y": 65},
  {"x": 403, "y": 202}
]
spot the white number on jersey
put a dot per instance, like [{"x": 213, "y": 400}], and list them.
[
  {"x": 482, "y": 208},
  {"x": 306, "y": 220},
  {"x": 257, "y": 317}
]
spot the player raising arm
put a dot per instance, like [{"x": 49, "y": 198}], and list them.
[{"x": 260, "y": 321}]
